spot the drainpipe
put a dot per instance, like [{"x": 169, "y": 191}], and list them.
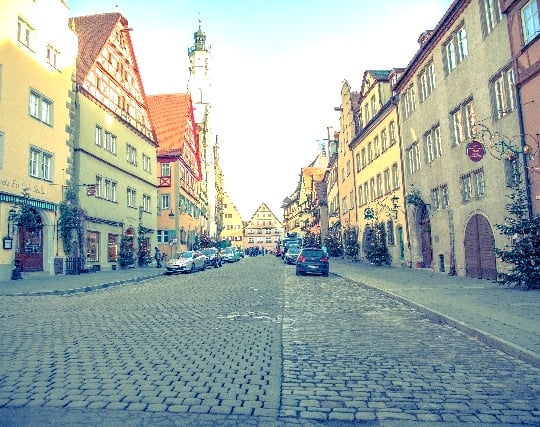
[{"x": 524, "y": 155}]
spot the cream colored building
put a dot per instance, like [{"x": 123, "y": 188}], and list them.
[
  {"x": 115, "y": 146},
  {"x": 37, "y": 63},
  {"x": 447, "y": 100},
  {"x": 263, "y": 230}
]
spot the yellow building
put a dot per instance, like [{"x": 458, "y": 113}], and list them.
[
  {"x": 348, "y": 124},
  {"x": 115, "y": 148},
  {"x": 377, "y": 170},
  {"x": 233, "y": 226},
  {"x": 37, "y": 63}
]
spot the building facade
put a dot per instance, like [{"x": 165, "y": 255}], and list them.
[
  {"x": 524, "y": 29},
  {"x": 114, "y": 148},
  {"x": 451, "y": 124},
  {"x": 37, "y": 64},
  {"x": 233, "y": 226},
  {"x": 263, "y": 230},
  {"x": 181, "y": 221},
  {"x": 378, "y": 170}
]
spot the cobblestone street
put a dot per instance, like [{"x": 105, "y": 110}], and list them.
[{"x": 249, "y": 344}]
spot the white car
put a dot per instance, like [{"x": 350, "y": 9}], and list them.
[{"x": 186, "y": 262}]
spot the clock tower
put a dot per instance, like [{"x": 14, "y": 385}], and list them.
[{"x": 199, "y": 87}]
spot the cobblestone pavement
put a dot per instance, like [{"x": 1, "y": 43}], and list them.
[{"x": 249, "y": 344}]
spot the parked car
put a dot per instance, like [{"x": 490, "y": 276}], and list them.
[
  {"x": 291, "y": 255},
  {"x": 230, "y": 255},
  {"x": 186, "y": 262},
  {"x": 214, "y": 257},
  {"x": 312, "y": 261}
]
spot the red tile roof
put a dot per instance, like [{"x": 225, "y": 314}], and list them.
[
  {"x": 93, "y": 32},
  {"x": 169, "y": 114}
]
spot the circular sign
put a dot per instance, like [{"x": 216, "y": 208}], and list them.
[{"x": 475, "y": 151}]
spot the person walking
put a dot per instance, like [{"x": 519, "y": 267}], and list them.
[{"x": 157, "y": 256}]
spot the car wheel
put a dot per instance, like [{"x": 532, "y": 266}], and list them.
[
  {"x": 298, "y": 273},
  {"x": 192, "y": 268},
  {"x": 325, "y": 274}
]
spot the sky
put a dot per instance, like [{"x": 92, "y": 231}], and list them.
[{"x": 277, "y": 69}]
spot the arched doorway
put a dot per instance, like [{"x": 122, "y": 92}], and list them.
[
  {"x": 425, "y": 237},
  {"x": 480, "y": 262},
  {"x": 29, "y": 253}
]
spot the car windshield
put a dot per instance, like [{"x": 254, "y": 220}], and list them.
[{"x": 186, "y": 255}]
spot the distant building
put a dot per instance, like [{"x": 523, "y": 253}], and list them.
[
  {"x": 263, "y": 229},
  {"x": 233, "y": 227}
]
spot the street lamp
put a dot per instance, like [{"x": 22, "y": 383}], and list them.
[{"x": 395, "y": 205}]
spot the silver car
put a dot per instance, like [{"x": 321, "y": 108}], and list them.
[{"x": 186, "y": 262}]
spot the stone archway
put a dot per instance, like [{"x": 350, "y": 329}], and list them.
[{"x": 479, "y": 244}]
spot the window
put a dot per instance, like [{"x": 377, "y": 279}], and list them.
[
  {"x": 348, "y": 167},
  {"x": 426, "y": 81},
  {"x": 502, "y": 92},
  {"x": 99, "y": 186},
  {"x": 372, "y": 194},
  {"x": 98, "y": 137},
  {"x": 490, "y": 15},
  {"x": 146, "y": 203},
  {"x": 529, "y": 21},
  {"x": 366, "y": 192},
  {"x": 444, "y": 196},
  {"x": 455, "y": 49},
  {"x": 387, "y": 183},
  {"x": 52, "y": 56},
  {"x": 373, "y": 106},
  {"x": 392, "y": 128},
  {"x": 376, "y": 146},
  {"x": 463, "y": 120},
  {"x": 131, "y": 154},
  {"x": 40, "y": 164},
  {"x": 432, "y": 142},
  {"x": 25, "y": 34},
  {"x": 163, "y": 236},
  {"x": 479, "y": 183},
  {"x": 344, "y": 205},
  {"x": 358, "y": 164},
  {"x": 352, "y": 201},
  {"x": 110, "y": 142},
  {"x": 409, "y": 101},
  {"x": 395, "y": 176},
  {"x": 379, "y": 185},
  {"x": 366, "y": 111},
  {"x": 165, "y": 169},
  {"x": 413, "y": 157},
  {"x": 40, "y": 108},
  {"x": 112, "y": 247},
  {"x": 364, "y": 161},
  {"x": 435, "y": 198},
  {"x": 131, "y": 197},
  {"x": 384, "y": 140},
  {"x": 165, "y": 201},
  {"x": 92, "y": 246},
  {"x": 360, "y": 196},
  {"x": 370, "y": 152},
  {"x": 146, "y": 163},
  {"x": 466, "y": 188}
]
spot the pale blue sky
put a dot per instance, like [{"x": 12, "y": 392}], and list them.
[{"x": 277, "y": 71}]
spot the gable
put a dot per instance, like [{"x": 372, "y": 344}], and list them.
[
  {"x": 107, "y": 69},
  {"x": 176, "y": 132}
]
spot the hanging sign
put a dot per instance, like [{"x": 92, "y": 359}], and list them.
[
  {"x": 475, "y": 151},
  {"x": 90, "y": 190},
  {"x": 368, "y": 213}
]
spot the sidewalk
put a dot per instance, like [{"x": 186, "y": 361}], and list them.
[
  {"x": 505, "y": 318},
  {"x": 502, "y": 317}
]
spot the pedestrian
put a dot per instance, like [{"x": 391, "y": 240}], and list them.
[{"x": 157, "y": 256}]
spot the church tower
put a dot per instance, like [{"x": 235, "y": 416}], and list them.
[{"x": 199, "y": 87}]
